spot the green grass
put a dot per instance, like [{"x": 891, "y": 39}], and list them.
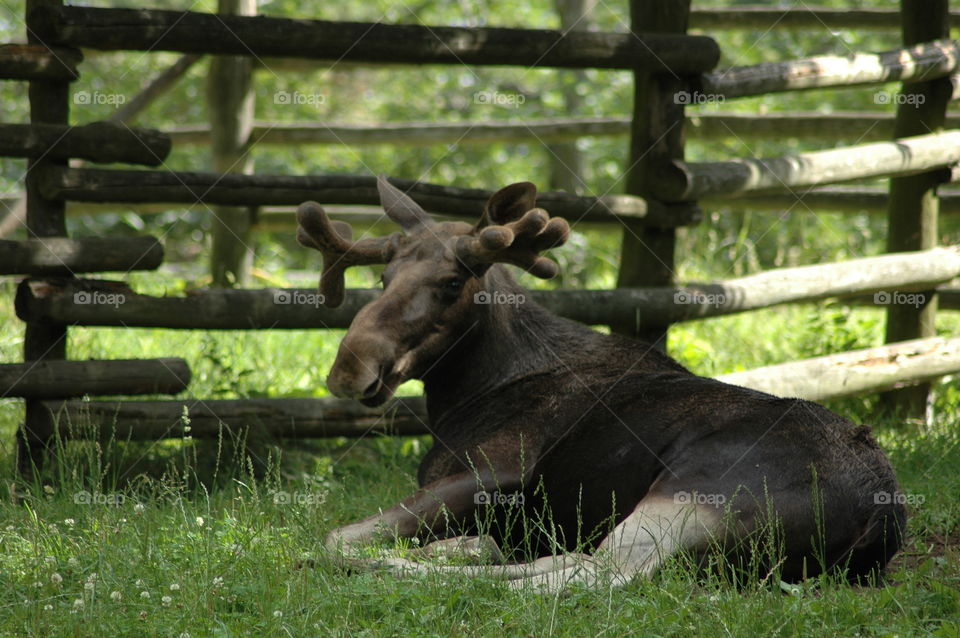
[{"x": 183, "y": 537}]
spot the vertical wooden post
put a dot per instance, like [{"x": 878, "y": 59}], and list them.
[
  {"x": 566, "y": 161},
  {"x": 49, "y": 103},
  {"x": 230, "y": 99},
  {"x": 913, "y": 205},
  {"x": 656, "y": 137}
]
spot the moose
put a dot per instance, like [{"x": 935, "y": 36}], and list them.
[{"x": 585, "y": 457}]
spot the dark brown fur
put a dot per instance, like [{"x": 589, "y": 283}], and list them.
[{"x": 585, "y": 425}]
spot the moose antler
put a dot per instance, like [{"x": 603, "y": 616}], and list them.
[
  {"x": 333, "y": 240},
  {"x": 518, "y": 243}
]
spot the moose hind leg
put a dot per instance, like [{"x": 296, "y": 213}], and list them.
[{"x": 655, "y": 530}]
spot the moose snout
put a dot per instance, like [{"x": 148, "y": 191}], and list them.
[{"x": 360, "y": 368}]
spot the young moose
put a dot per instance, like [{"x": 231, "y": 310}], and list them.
[{"x": 562, "y": 438}]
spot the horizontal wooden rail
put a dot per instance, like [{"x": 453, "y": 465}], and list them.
[
  {"x": 815, "y": 18},
  {"x": 419, "y": 133},
  {"x": 97, "y": 142},
  {"x": 52, "y": 300},
  {"x": 843, "y": 199},
  {"x": 860, "y": 126},
  {"x": 209, "y": 419},
  {"x": 858, "y": 372},
  {"x": 918, "y": 63},
  {"x": 48, "y": 379},
  {"x": 191, "y": 32},
  {"x": 65, "y": 255},
  {"x": 818, "y": 379},
  {"x": 36, "y": 62},
  {"x": 270, "y": 218},
  {"x": 833, "y": 199},
  {"x": 683, "y": 181},
  {"x": 104, "y": 185}
]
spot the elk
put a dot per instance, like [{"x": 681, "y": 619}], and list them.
[{"x": 619, "y": 455}]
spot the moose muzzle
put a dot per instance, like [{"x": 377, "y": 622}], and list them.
[{"x": 364, "y": 369}]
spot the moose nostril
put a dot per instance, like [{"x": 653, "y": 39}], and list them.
[{"x": 371, "y": 390}]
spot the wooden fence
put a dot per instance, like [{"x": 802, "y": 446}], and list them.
[{"x": 662, "y": 193}]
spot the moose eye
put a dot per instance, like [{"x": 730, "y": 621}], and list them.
[{"x": 452, "y": 286}]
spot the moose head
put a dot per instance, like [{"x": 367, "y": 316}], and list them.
[{"x": 433, "y": 272}]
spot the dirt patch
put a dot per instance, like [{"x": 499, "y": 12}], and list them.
[{"x": 920, "y": 549}]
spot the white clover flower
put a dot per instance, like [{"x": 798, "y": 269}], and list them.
[
  {"x": 174, "y": 586},
  {"x": 38, "y": 584},
  {"x": 278, "y": 614},
  {"x": 69, "y": 522},
  {"x": 218, "y": 581},
  {"x": 48, "y": 608},
  {"x": 56, "y": 578},
  {"x": 145, "y": 594},
  {"x": 88, "y": 586},
  {"x": 138, "y": 508},
  {"x": 116, "y": 596},
  {"x": 138, "y": 583},
  {"x": 73, "y": 562},
  {"x": 200, "y": 521},
  {"x": 166, "y": 600},
  {"x": 78, "y": 603},
  {"x": 48, "y": 489}
]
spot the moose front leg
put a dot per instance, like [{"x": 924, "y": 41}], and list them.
[{"x": 439, "y": 509}]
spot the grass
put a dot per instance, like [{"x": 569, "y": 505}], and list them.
[{"x": 185, "y": 538}]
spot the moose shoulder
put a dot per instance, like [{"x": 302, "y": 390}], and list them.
[{"x": 552, "y": 437}]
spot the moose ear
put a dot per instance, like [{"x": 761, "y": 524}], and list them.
[
  {"x": 509, "y": 203},
  {"x": 399, "y": 207}
]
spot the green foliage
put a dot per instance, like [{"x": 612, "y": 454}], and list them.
[{"x": 225, "y": 562}]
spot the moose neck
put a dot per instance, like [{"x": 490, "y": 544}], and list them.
[{"x": 507, "y": 339}]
